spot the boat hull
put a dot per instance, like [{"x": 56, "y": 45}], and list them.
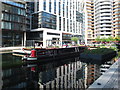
[{"x": 30, "y": 58}]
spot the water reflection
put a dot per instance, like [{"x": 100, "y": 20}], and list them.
[{"x": 67, "y": 73}]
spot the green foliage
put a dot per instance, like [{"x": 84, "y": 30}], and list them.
[
  {"x": 100, "y": 51},
  {"x": 119, "y": 54},
  {"x": 117, "y": 38},
  {"x": 105, "y": 39},
  {"x": 98, "y": 39},
  {"x": 75, "y": 39},
  {"x": 110, "y": 38}
]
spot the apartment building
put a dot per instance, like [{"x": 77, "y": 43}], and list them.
[
  {"x": 89, "y": 20},
  {"x": 116, "y": 18},
  {"x": 12, "y": 22},
  {"x": 55, "y": 22},
  {"x": 101, "y": 19}
]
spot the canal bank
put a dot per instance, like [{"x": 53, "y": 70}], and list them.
[
  {"x": 9, "y": 49},
  {"x": 109, "y": 80}
]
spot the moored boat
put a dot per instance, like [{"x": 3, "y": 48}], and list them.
[{"x": 38, "y": 54}]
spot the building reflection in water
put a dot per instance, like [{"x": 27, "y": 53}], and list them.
[
  {"x": 68, "y": 73},
  {"x": 93, "y": 72}
]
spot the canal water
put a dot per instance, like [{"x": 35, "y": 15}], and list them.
[{"x": 66, "y": 73}]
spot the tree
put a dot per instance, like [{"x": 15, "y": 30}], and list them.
[
  {"x": 75, "y": 39},
  {"x": 98, "y": 39},
  {"x": 109, "y": 39},
  {"x": 117, "y": 38},
  {"x": 103, "y": 39}
]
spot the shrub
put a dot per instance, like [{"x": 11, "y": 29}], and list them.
[{"x": 98, "y": 51}]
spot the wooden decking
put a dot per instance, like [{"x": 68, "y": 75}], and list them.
[{"x": 109, "y": 80}]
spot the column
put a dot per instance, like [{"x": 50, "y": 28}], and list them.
[
  {"x": 41, "y": 5},
  {"x": 44, "y": 38},
  {"x": 60, "y": 42},
  {"x": 24, "y": 40}
]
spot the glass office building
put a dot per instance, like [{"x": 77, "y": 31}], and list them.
[
  {"x": 13, "y": 22},
  {"x": 44, "y": 20},
  {"x": 57, "y": 20}
]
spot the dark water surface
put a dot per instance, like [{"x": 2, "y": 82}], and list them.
[{"x": 65, "y": 73}]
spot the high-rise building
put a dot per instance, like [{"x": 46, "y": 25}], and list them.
[
  {"x": 101, "y": 19},
  {"x": 55, "y": 22},
  {"x": 89, "y": 20},
  {"x": 116, "y": 18},
  {"x": 12, "y": 21}
]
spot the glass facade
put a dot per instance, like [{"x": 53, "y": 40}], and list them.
[
  {"x": 14, "y": 3},
  {"x": 79, "y": 17},
  {"x": 29, "y": 9},
  {"x": 13, "y": 23},
  {"x": 35, "y": 21},
  {"x": 13, "y": 9},
  {"x": 44, "y": 20},
  {"x": 11, "y": 38},
  {"x": 66, "y": 36}
]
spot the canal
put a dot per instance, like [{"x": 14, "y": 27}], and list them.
[{"x": 61, "y": 73}]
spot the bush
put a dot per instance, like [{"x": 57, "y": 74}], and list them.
[
  {"x": 118, "y": 54},
  {"x": 100, "y": 51}
]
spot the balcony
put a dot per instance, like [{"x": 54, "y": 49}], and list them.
[
  {"x": 89, "y": 2},
  {"x": 105, "y": 6},
  {"x": 105, "y": 17},
  {"x": 105, "y": 10}
]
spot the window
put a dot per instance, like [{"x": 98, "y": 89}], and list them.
[
  {"x": 2, "y": 25},
  {"x": 44, "y": 5},
  {"x": 14, "y": 3},
  {"x": 50, "y": 6},
  {"x": 63, "y": 24},
  {"x": 59, "y": 8},
  {"x": 59, "y": 23},
  {"x": 55, "y": 6}
]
